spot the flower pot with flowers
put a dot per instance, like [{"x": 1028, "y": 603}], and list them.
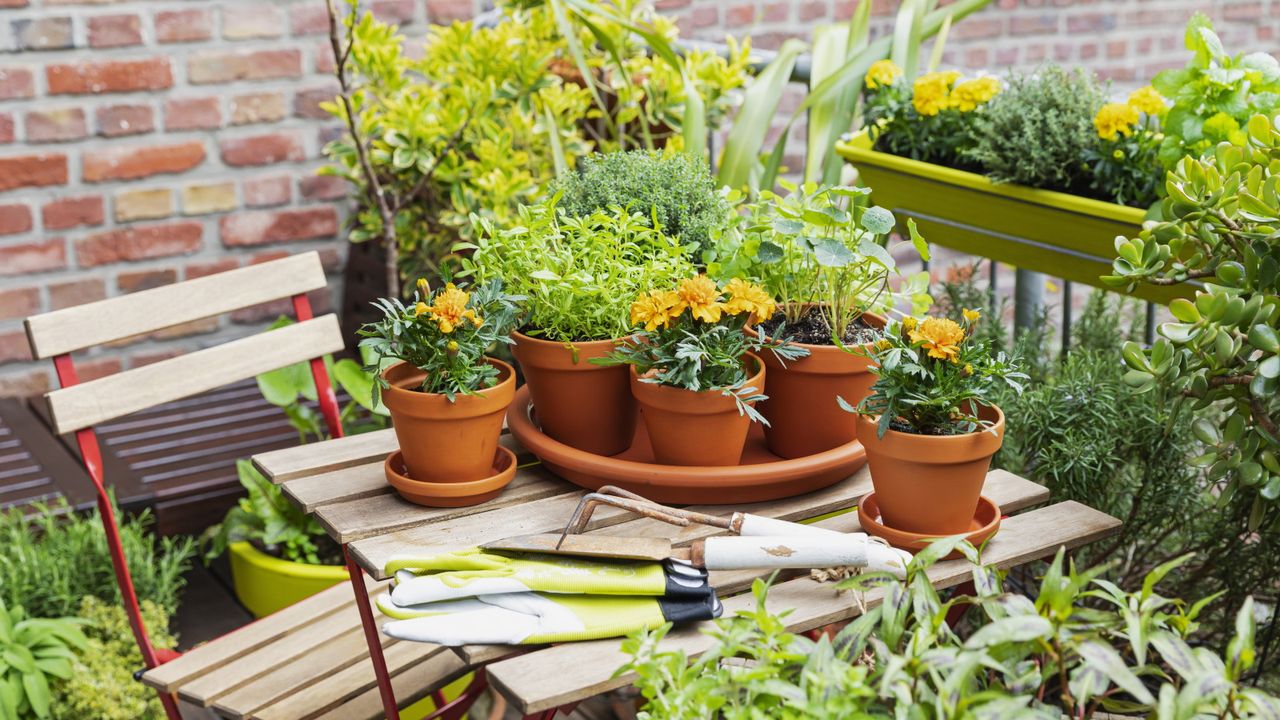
[
  {"x": 446, "y": 398},
  {"x": 695, "y": 371},
  {"x": 929, "y": 426},
  {"x": 578, "y": 277},
  {"x": 824, "y": 251}
]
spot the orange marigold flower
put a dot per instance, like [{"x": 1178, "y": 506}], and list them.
[
  {"x": 750, "y": 298},
  {"x": 654, "y": 309},
  {"x": 940, "y": 337},
  {"x": 701, "y": 296},
  {"x": 450, "y": 309}
]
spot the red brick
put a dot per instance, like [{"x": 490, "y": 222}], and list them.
[
  {"x": 46, "y": 33},
  {"x": 262, "y": 149},
  {"x": 977, "y": 27},
  {"x": 394, "y": 12},
  {"x": 14, "y": 347},
  {"x": 66, "y": 213},
  {"x": 322, "y": 187},
  {"x": 99, "y": 367},
  {"x": 16, "y": 83},
  {"x": 55, "y": 125},
  {"x": 309, "y": 18},
  {"x": 739, "y": 15},
  {"x": 149, "y": 357},
  {"x": 1117, "y": 49},
  {"x": 14, "y": 3},
  {"x": 195, "y": 327},
  {"x": 39, "y": 256},
  {"x": 323, "y": 54},
  {"x": 14, "y": 218},
  {"x": 1033, "y": 25},
  {"x": 19, "y": 302},
  {"x": 665, "y": 5},
  {"x": 211, "y": 267},
  {"x": 33, "y": 171},
  {"x": 443, "y": 12},
  {"x": 192, "y": 114},
  {"x": 776, "y": 12},
  {"x": 811, "y": 11},
  {"x": 76, "y": 292},
  {"x": 133, "y": 281},
  {"x": 139, "y": 242},
  {"x": 109, "y": 76},
  {"x": 268, "y": 191},
  {"x": 31, "y": 383},
  {"x": 222, "y": 67},
  {"x": 117, "y": 120},
  {"x": 253, "y": 108},
  {"x": 114, "y": 31},
  {"x": 183, "y": 26},
  {"x": 139, "y": 161},
  {"x": 262, "y": 21},
  {"x": 261, "y": 227},
  {"x": 6, "y": 128},
  {"x": 1091, "y": 23},
  {"x": 306, "y": 103}
]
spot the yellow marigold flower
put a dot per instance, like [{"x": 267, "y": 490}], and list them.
[
  {"x": 940, "y": 337},
  {"x": 1147, "y": 100},
  {"x": 909, "y": 323},
  {"x": 749, "y": 298},
  {"x": 450, "y": 309},
  {"x": 421, "y": 309},
  {"x": 654, "y": 309},
  {"x": 883, "y": 344},
  {"x": 1115, "y": 119},
  {"x": 1118, "y": 155},
  {"x": 701, "y": 296},
  {"x": 930, "y": 94},
  {"x": 882, "y": 72},
  {"x": 971, "y": 315},
  {"x": 969, "y": 94},
  {"x": 424, "y": 287},
  {"x": 968, "y": 369}
]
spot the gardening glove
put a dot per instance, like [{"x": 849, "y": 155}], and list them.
[
  {"x": 476, "y": 572},
  {"x": 531, "y": 618}
]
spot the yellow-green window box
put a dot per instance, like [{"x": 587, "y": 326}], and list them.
[{"x": 1062, "y": 235}]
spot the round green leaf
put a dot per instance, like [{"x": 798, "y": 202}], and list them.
[{"x": 878, "y": 220}]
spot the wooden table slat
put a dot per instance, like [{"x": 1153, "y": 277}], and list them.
[
  {"x": 409, "y": 686},
  {"x": 548, "y": 678}
]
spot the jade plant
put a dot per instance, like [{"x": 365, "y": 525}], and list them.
[{"x": 1222, "y": 352}]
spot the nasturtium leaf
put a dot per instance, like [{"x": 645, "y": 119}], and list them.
[
  {"x": 878, "y": 220},
  {"x": 832, "y": 253}
]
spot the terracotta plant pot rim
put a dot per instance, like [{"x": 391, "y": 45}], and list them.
[
  {"x": 987, "y": 513},
  {"x": 973, "y": 445},
  {"x": 556, "y": 355},
  {"x": 412, "y": 402},
  {"x": 826, "y": 359},
  {"x": 680, "y": 399},
  {"x": 504, "y": 469}
]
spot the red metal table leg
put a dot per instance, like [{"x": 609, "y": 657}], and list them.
[{"x": 372, "y": 638}]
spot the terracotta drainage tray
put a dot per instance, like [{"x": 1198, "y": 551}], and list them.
[{"x": 759, "y": 476}]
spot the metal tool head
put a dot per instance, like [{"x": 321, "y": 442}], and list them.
[
  {"x": 593, "y": 546},
  {"x": 614, "y": 496}
]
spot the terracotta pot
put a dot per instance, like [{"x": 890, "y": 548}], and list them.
[
  {"x": 582, "y": 405},
  {"x": 446, "y": 441},
  {"x": 804, "y": 416},
  {"x": 930, "y": 483},
  {"x": 694, "y": 428}
]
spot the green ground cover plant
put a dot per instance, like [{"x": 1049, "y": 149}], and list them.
[{"x": 34, "y": 654}]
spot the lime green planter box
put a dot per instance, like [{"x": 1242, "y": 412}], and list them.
[
  {"x": 1062, "y": 235},
  {"x": 265, "y": 584}
]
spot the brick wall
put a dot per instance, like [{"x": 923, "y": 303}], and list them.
[{"x": 148, "y": 141}]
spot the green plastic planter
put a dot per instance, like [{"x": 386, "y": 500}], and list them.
[
  {"x": 265, "y": 584},
  {"x": 1062, "y": 235}
]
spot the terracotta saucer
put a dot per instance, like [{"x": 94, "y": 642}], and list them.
[
  {"x": 985, "y": 523},
  {"x": 451, "y": 494},
  {"x": 760, "y": 475}
]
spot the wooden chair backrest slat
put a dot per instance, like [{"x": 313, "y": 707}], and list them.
[
  {"x": 84, "y": 405},
  {"x": 104, "y": 321}
]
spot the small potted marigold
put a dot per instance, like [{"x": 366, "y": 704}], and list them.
[
  {"x": 929, "y": 425},
  {"x": 446, "y": 397},
  {"x": 694, "y": 369}
]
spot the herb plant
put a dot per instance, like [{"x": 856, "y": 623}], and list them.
[
  {"x": 933, "y": 375},
  {"x": 446, "y": 337},
  {"x": 676, "y": 190},
  {"x": 578, "y": 275},
  {"x": 1215, "y": 94},
  {"x": 34, "y": 653},
  {"x": 53, "y": 557},
  {"x": 694, "y": 337},
  {"x": 1081, "y": 648},
  {"x": 266, "y": 519},
  {"x": 1222, "y": 228}
]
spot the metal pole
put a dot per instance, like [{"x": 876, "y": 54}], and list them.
[
  {"x": 1149, "y": 333},
  {"x": 1066, "y": 316},
  {"x": 1028, "y": 299}
]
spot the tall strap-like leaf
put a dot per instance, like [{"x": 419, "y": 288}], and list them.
[{"x": 739, "y": 161}]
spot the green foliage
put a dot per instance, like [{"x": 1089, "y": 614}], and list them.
[
  {"x": 447, "y": 338},
  {"x": 934, "y": 374},
  {"x": 102, "y": 685},
  {"x": 1036, "y": 131},
  {"x": 820, "y": 244},
  {"x": 578, "y": 275},
  {"x": 941, "y": 136},
  {"x": 52, "y": 558},
  {"x": 674, "y": 189},
  {"x": 265, "y": 518},
  {"x": 1215, "y": 94},
  {"x": 1222, "y": 227},
  {"x": 1126, "y": 168},
  {"x": 34, "y": 653},
  {"x": 1080, "y": 649}
]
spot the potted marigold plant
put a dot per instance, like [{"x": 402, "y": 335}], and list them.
[
  {"x": 1037, "y": 169},
  {"x": 578, "y": 276},
  {"x": 694, "y": 369},
  {"x": 929, "y": 425},
  {"x": 823, "y": 251},
  {"x": 446, "y": 397}
]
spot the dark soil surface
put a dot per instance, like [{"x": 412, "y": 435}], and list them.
[{"x": 813, "y": 330}]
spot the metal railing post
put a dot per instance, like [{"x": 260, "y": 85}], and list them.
[{"x": 1028, "y": 299}]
